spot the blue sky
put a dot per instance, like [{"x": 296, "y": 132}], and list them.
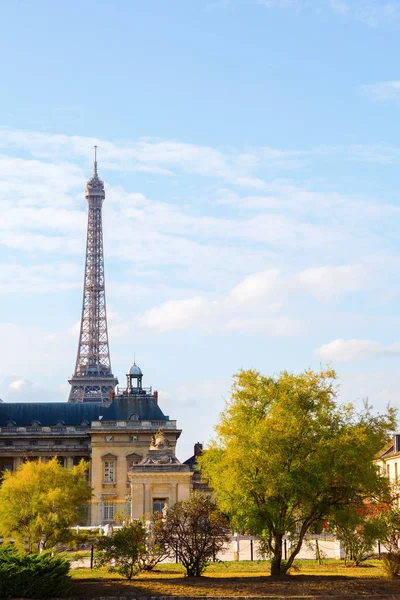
[{"x": 251, "y": 154}]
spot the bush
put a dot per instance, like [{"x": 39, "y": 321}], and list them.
[
  {"x": 32, "y": 575},
  {"x": 391, "y": 564},
  {"x": 196, "y": 531},
  {"x": 121, "y": 551}
]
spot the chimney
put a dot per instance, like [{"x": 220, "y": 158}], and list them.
[
  {"x": 396, "y": 444},
  {"x": 156, "y": 396},
  {"x": 198, "y": 449},
  {"x": 112, "y": 395}
]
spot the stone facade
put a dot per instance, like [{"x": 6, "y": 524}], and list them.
[
  {"x": 159, "y": 480},
  {"x": 389, "y": 461}
]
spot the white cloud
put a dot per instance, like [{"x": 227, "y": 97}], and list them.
[
  {"x": 373, "y": 13},
  {"x": 324, "y": 282},
  {"x": 18, "y": 384},
  {"x": 177, "y": 314},
  {"x": 158, "y": 156},
  {"x": 253, "y": 304},
  {"x": 282, "y": 3},
  {"x": 275, "y": 326},
  {"x": 40, "y": 279},
  {"x": 17, "y": 388},
  {"x": 341, "y": 350},
  {"x": 34, "y": 351},
  {"x": 383, "y": 90}
]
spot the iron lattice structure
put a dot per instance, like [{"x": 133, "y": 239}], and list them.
[{"x": 93, "y": 380}]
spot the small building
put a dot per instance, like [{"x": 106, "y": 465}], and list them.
[{"x": 389, "y": 460}]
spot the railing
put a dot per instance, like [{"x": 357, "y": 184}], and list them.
[
  {"x": 78, "y": 430},
  {"x": 134, "y": 425}
]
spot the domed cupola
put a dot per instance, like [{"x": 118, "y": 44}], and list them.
[
  {"x": 135, "y": 370},
  {"x": 134, "y": 379}
]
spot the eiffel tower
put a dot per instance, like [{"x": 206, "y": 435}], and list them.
[{"x": 93, "y": 380}]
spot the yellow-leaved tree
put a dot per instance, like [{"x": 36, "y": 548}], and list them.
[
  {"x": 287, "y": 456},
  {"x": 40, "y": 501}
]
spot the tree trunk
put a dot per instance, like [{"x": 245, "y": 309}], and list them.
[
  {"x": 276, "y": 562},
  {"x": 297, "y": 547},
  {"x": 317, "y": 552}
]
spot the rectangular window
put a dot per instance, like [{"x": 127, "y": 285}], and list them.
[
  {"x": 109, "y": 471},
  {"x": 388, "y": 471},
  {"x": 159, "y": 504},
  {"x": 396, "y": 475},
  {"x": 109, "y": 509},
  {"x": 6, "y": 464},
  {"x": 9, "y": 442},
  {"x": 33, "y": 442}
]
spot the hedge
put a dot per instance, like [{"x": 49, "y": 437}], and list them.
[{"x": 32, "y": 575}]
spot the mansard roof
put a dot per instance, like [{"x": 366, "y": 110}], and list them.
[{"x": 74, "y": 414}]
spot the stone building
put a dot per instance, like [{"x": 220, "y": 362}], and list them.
[
  {"x": 389, "y": 460},
  {"x": 129, "y": 442}
]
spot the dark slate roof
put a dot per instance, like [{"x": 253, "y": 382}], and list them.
[
  {"x": 73, "y": 414},
  {"x": 191, "y": 462}
]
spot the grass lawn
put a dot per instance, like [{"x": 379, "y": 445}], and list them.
[{"x": 242, "y": 579}]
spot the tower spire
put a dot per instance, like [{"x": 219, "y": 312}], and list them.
[
  {"x": 95, "y": 162},
  {"x": 93, "y": 379}
]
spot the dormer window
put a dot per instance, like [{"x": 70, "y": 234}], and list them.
[
  {"x": 59, "y": 424},
  {"x": 10, "y": 423},
  {"x": 35, "y": 423}
]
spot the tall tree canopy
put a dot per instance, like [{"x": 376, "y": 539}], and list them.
[
  {"x": 287, "y": 455},
  {"x": 40, "y": 501}
]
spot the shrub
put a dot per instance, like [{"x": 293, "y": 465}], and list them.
[
  {"x": 196, "y": 532},
  {"x": 32, "y": 575},
  {"x": 121, "y": 551},
  {"x": 391, "y": 564}
]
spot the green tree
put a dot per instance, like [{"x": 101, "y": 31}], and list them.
[
  {"x": 389, "y": 519},
  {"x": 40, "y": 502},
  {"x": 358, "y": 530},
  {"x": 196, "y": 532},
  {"x": 390, "y": 522},
  {"x": 286, "y": 454},
  {"x": 123, "y": 550}
]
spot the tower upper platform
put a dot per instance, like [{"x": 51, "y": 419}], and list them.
[{"x": 95, "y": 186}]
